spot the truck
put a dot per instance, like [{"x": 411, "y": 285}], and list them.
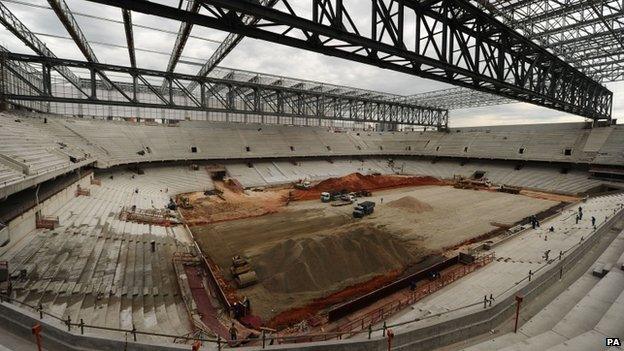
[
  {"x": 5, "y": 279},
  {"x": 326, "y": 197},
  {"x": 363, "y": 209}
]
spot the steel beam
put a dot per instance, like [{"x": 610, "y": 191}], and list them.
[
  {"x": 227, "y": 46},
  {"x": 66, "y": 17},
  {"x": 502, "y": 62},
  {"x": 275, "y": 99},
  {"x": 71, "y": 25},
  {"x": 582, "y": 31},
  {"x": 15, "y": 26},
  {"x": 127, "y": 19},
  {"x": 192, "y": 6}
]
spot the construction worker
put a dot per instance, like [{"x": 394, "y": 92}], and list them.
[
  {"x": 233, "y": 332},
  {"x": 247, "y": 304},
  {"x": 580, "y": 213}
]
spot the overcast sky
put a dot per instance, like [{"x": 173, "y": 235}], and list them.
[{"x": 254, "y": 55}]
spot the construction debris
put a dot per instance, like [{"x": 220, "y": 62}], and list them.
[{"x": 160, "y": 217}]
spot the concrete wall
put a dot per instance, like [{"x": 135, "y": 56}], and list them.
[
  {"x": 56, "y": 337},
  {"x": 24, "y": 224}
]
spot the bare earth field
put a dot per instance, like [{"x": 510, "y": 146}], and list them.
[{"x": 308, "y": 249}]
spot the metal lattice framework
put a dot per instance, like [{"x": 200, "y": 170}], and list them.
[
  {"x": 13, "y": 24},
  {"x": 588, "y": 34},
  {"x": 228, "y": 44},
  {"x": 498, "y": 51},
  {"x": 458, "y": 98},
  {"x": 235, "y": 92},
  {"x": 336, "y": 103},
  {"x": 451, "y": 41}
]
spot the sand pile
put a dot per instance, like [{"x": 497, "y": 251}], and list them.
[
  {"x": 357, "y": 182},
  {"x": 325, "y": 263},
  {"x": 410, "y": 204}
]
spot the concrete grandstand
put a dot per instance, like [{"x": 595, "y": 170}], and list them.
[
  {"x": 95, "y": 268},
  {"x": 156, "y": 209}
]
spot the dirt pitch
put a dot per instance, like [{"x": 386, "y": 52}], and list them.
[{"x": 310, "y": 250}]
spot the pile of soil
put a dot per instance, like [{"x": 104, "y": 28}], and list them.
[
  {"x": 231, "y": 204},
  {"x": 327, "y": 262},
  {"x": 358, "y": 182},
  {"x": 410, "y": 204}
]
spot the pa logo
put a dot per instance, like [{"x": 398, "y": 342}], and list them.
[{"x": 613, "y": 342}]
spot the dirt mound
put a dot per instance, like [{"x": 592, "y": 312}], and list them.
[
  {"x": 411, "y": 204},
  {"x": 326, "y": 263},
  {"x": 357, "y": 182},
  {"x": 231, "y": 204}
]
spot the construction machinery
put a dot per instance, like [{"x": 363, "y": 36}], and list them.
[
  {"x": 242, "y": 272},
  {"x": 5, "y": 279},
  {"x": 363, "y": 209},
  {"x": 302, "y": 184},
  {"x": 509, "y": 189},
  {"x": 461, "y": 182}
]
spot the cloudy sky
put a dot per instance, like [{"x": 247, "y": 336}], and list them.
[{"x": 153, "y": 45}]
